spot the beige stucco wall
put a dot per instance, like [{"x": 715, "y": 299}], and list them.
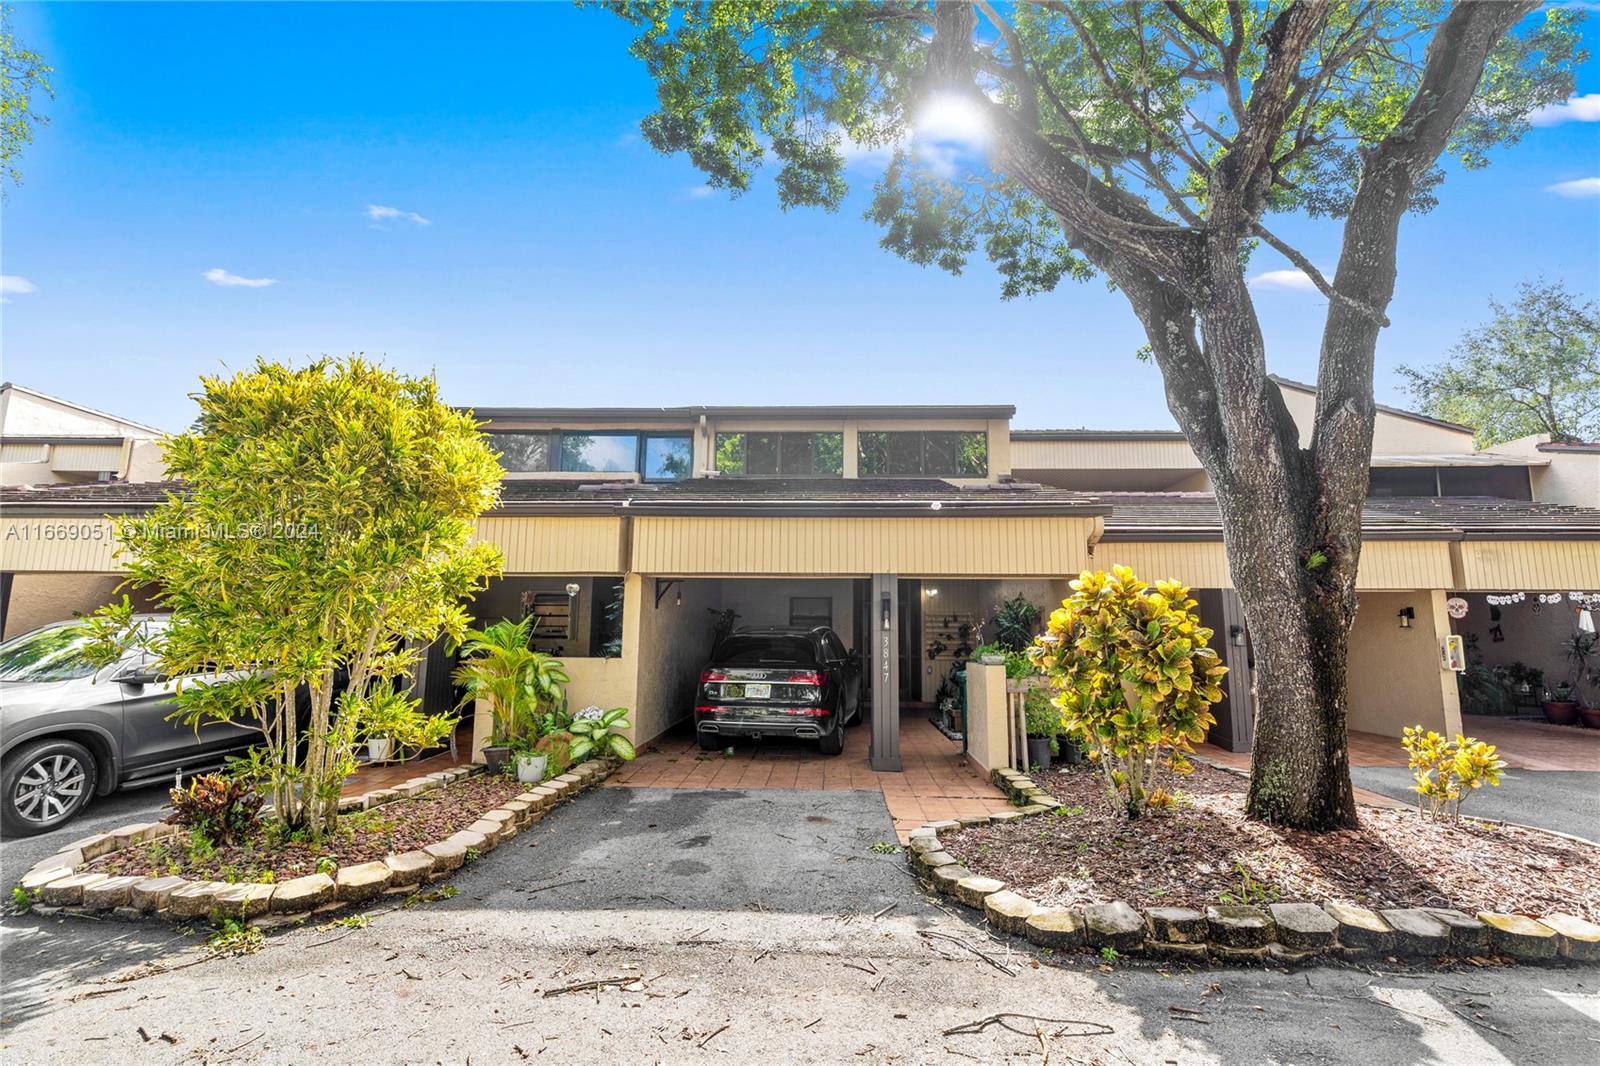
[
  {"x": 1392, "y": 434},
  {"x": 673, "y": 642},
  {"x": 39, "y": 599},
  {"x": 766, "y": 602},
  {"x": 1395, "y": 674},
  {"x": 986, "y": 715}
]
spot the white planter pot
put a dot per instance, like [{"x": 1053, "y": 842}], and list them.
[
  {"x": 530, "y": 768},
  {"x": 992, "y": 660},
  {"x": 379, "y": 748}
]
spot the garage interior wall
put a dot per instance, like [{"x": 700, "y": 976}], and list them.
[
  {"x": 39, "y": 599},
  {"x": 1395, "y": 674},
  {"x": 1532, "y": 633},
  {"x": 673, "y": 642}
]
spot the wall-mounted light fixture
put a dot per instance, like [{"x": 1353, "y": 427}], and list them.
[
  {"x": 888, "y": 612},
  {"x": 1406, "y": 615},
  {"x": 930, "y": 592},
  {"x": 573, "y": 588},
  {"x": 1236, "y": 636}
]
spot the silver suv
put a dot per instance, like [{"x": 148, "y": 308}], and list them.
[{"x": 69, "y": 732}]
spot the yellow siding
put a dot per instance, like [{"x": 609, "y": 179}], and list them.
[
  {"x": 577, "y": 545},
  {"x": 86, "y": 458},
  {"x": 57, "y": 544},
  {"x": 1527, "y": 565},
  {"x": 1385, "y": 564},
  {"x": 926, "y": 547}
]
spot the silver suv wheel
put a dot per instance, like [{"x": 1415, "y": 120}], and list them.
[{"x": 45, "y": 785}]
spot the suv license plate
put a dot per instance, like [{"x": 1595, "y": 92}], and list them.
[{"x": 757, "y": 691}]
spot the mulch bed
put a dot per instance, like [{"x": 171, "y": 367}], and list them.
[
  {"x": 1192, "y": 856},
  {"x": 362, "y": 836}
]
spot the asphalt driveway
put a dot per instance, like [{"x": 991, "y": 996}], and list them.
[
  {"x": 1566, "y": 801},
  {"x": 681, "y": 926}
]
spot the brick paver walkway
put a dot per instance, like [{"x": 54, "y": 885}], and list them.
[{"x": 937, "y": 781}]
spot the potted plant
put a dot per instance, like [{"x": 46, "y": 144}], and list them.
[
  {"x": 379, "y": 749},
  {"x": 1569, "y": 697},
  {"x": 1043, "y": 722},
  {"x": 517, "y": 683},
  {"x": 1558, "y": 705},
  {"x": 531, "y": 761},
  {"x": 992, "y": 654}
]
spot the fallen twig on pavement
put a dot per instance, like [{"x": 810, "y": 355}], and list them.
[{"x": 1003, "y": 1020}]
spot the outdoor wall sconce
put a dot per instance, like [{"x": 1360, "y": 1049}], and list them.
[
  {"x": 1406, "y": 615},
  {"x": 930, "y": 592},
  {"x": 888, "y": 613},
  {"x": 665, "y": 583},
  {"x": 573, "y": 588},
  {"x": 1236, "y": 636}
]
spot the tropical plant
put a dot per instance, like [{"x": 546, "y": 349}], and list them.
[
  {"x": 1447, "y": 772},
  {"x": 222, "y": 808},
  {"x": 1039, "y": 713},
  {"x": 1016, "y": 623},
  {"x": 325, "y": 533},
  {"x": 557, "y": 746},
  {"x": 520, "y": 685},
  {"x": 1134, "y": 677},
  {"x": 1578, "y": 650},
  {"x": 596, "y": 734},
  {"x": 1159, "y": 145}
]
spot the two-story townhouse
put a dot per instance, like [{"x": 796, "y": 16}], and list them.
[{"x": 630, "y": 533}]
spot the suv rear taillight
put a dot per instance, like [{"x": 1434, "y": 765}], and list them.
[
  {"x": 805, "y": 679},
  {"x": 712, "y": 675}
]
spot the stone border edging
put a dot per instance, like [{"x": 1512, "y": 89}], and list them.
[
  {"x": 57, "y": 887},
  {"x": 1279, "y": 932}
]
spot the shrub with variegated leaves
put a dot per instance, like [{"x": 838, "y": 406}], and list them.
[{"x": 1134, "y": 678}]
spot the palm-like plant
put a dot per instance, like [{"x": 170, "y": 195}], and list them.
[{"x": 517, "y": 682}]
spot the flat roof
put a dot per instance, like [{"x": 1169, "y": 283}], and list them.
[
  {"x": 1129, "y": 516},
  {"x": 1097, "y": 434},
  {"x": 645, "y": 415},
  {"x": 1194, "y": 516}
]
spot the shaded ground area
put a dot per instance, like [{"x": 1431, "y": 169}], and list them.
[
  {"x": 1205, "y": 852},
  {"x": 1567, "y": 801},
  {"x": 149, "y": 804},
  {"x": 773, "y": 955}
]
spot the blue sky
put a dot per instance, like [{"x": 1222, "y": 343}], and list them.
[{"x": 562, "y": 262}]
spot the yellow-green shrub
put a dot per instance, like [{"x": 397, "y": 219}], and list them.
[
  {"x": 1134, "y": 677},
  {"x": 1447, "y": 772}
]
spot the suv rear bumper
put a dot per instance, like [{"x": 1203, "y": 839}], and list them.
[{"x": 732, "y": 724}]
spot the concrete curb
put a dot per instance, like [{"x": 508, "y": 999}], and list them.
[
  {"x": 1282, "y": 933},
  {"x": 57, "y": 886}
]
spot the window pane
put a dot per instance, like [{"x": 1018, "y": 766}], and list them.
[
  {"x": 761, "y": 455},
  {"x": 667, "y": 458},
  {"x": 905, "y": 454},
  {"x": 872, "y": 454},
  {"x": 1389, "y": 481},
  {"x": 730, "y": 453},
  {"x": 1503, "y": 482},
  {"x": 599, "y": 452},
  {"x": 811, "y": 610},
  {"x": 939, "y": 454},
  {"x": 522, "y": 452},
  {"x": 973, "y": 457},
  {"x": 828, "y": 452}
]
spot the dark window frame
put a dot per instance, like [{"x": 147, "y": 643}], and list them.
[
  {"x": 921, "y": 436},
  {"x": 555, "y": 448},
  {"x": 778, "y": 472}
]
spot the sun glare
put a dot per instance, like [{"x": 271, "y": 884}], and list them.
[{"x": 950, "y": 118}]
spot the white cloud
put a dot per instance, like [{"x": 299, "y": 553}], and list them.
[
  {"x": 15, "y": 285},
  {"x": 1293, "y": 279},
  {"x": 1579, "y": 189},
  {"x": 699, "y": 192},
  {"x": 380, "y": 213},
  {"x": 218, "y": 276},
  {"x": 1585, "y": 108}
]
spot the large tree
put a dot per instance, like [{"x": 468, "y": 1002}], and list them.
[
  {"x": 1153, "y": 143},
  {"x": 1534, "y": 367},
  {"x": 22, "y": 74}
]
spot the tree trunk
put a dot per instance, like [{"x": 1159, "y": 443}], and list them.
[{"x": 1300, "y": 613}]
